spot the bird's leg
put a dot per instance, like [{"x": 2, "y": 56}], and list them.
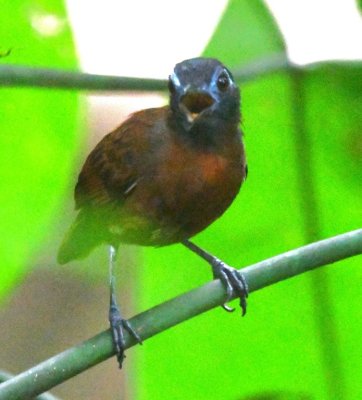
[
  {"x": 118, "y": 324},
  {"x": 233, "y": 280}
]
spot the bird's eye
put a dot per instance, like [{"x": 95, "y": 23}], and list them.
[
  {"x": 171, "y": 86},
  {"x": 223, "y": 81}
]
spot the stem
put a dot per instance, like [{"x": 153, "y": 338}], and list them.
[
  {"x": 85, "y": 355},
  {"x": 19, "y": 75},
  {"x": 24, "y": 76},
  {"x": 330, "y": 347}
]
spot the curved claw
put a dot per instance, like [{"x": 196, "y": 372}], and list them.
[
  {"x": 234, "y": 282},
  {"x": 118, "y": 340},
  {"x": 228, "y": 308},
  {"x": 118, "y": 326}
]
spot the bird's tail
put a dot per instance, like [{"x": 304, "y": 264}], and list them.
[{"x": 81, "y": 238}]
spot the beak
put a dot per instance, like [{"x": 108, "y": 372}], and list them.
[{"x": 193, "y": 103}]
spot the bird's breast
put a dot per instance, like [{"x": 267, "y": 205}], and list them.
[
  {"x": 192, "y": 189},
  {"x": 181, "y": 188}
]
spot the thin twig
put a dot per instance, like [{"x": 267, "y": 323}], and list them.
[
  {"x": 263, "y": 66},
  {"x": 91, "y": 352},
  {"x": 20, "y": 76},
  {"x": 25, "y": 76},
  {"x": 321, "y": 291}
]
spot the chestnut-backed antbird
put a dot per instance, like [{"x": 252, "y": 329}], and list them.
[{"x": 164, "y": 175}]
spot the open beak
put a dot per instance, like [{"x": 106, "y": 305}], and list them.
[{"x": 194, "y": 103}]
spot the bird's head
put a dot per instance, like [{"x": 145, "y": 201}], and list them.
[{"x": 201, "y": 90}]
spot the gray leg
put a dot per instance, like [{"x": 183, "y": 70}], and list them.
[
  {"x": 118, "y": 324},
  {"x": 232, "y": 279}
]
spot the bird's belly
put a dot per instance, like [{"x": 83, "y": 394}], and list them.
[{"x": 178, "y": 205}]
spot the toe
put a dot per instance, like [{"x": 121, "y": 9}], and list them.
[
  {"x": 118, "y": 342},
  {"x": 131, "y": 331},
  {"x": 234, "y": 282}
]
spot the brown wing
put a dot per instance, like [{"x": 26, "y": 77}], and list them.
[{"x": 112, "y": 169}]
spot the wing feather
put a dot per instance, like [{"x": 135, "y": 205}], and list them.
[{"x": 110, "y": 172}]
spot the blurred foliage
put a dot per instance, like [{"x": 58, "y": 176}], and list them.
[
  {"x": 39, "y": 130},
  {"x": 275, "y": 351},
  {"x": 5, "y": 53},
  {"x": 359, "y": 5}
]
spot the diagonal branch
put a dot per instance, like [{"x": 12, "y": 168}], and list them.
[
  {"x": 4, "y": 376},
  {"x": 91, "y": 352}
]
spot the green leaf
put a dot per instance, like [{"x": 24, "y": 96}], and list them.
[
  {"x": 359, "y": 5},
  {"x": 282, "y": 343},
  {"x": 333, "y": 117},
  {"x": 38, "y": 132},
  {"x": 246, "y": 32}
]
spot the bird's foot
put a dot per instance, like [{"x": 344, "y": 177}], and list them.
[
  {"x": 234, "y": 282},
  {"x": 118, "y": 328}
]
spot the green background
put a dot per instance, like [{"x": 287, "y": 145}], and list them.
[
  {"x": 300, "y": 338},
  {"x": 38, "y": 136}
]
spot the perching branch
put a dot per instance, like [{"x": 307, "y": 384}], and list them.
[{"x": 71, "y": 362}]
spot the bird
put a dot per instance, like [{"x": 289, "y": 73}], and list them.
[{"x": 162, "y": 176}]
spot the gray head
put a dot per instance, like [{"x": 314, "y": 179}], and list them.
[{"x": 203, "y": 89}]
